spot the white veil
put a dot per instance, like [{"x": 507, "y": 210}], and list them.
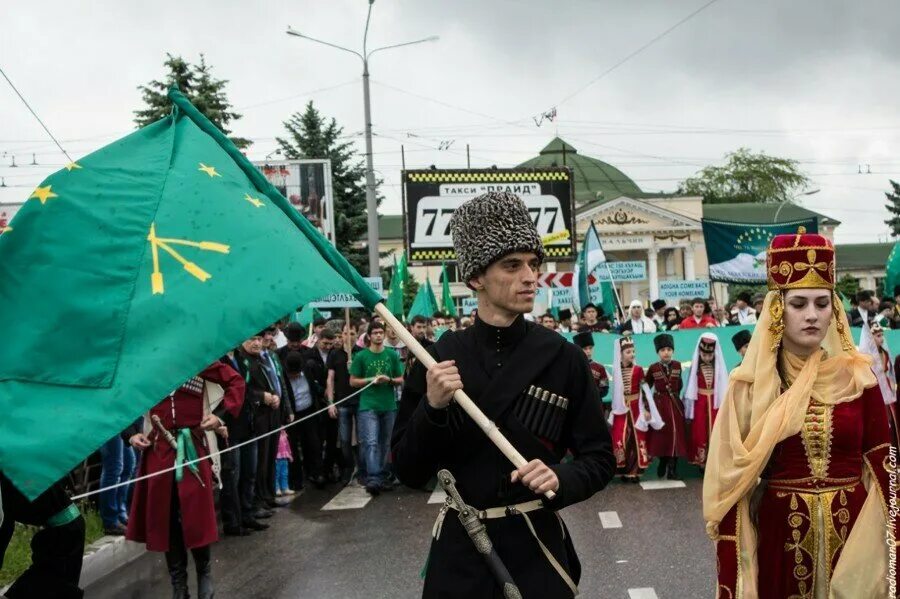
[{"x": 720, "y": 381}]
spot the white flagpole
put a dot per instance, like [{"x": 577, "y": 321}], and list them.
[{"x": 464, "y": 401}]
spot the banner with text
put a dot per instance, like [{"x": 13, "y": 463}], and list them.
[
  {"x": 432, "y": 196},
  {"x": 737, "y": 251},
  {"x": 345, "y": 300},
  {"x": 634, "y": 270},
  {"x": 677, "y": 290}
]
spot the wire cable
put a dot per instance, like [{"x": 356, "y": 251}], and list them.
[{"x": 31, "y": 110}]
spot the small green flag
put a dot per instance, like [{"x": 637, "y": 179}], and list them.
[
  {"x": 449, "y": 306},
  {"x": 425, "y": 303},
  {"x": 395, "y": 297},
  {"x": 307, "y": 316},
  {"x": 403, "y": 270},
  {"x": 143, "y": 262},
  {"x": 892, "y": 274}
]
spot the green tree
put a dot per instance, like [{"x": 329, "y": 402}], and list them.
[
  {"x": 310, "y": 135},
  {"x": 747, "y": 177},
  {"x": 847, "y": 285},
  {"x": 893, "y": 206},
  {"x": 202, "y": 89}
]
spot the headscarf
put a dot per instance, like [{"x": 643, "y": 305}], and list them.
[
  {"x": 886, "y": 380},
  {"x": 720, "y": 383},
  {"x": 756, "y": 415}
]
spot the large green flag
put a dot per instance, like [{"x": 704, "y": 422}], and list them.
[
  {"x": 448, "y": 305},
  {"x": 425, "y": 303},
  {"x": 395, "y": 298},
  {"x": 127, "y": 272},
  {"x": 892, "y": 268}
]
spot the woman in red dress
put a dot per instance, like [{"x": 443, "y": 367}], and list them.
[
  {"x": 796, "y": 491},
  {"x": 630, "y": 416},
  {"x": 174, "y": 511}
]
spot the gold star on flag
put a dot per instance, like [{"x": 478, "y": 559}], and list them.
[
  {"x": 5, "y": 230},
  {"x": 209, "y": 170},
  {"x": 255, "y": 201},
  {"x": 72, "y": 166},
  {"x": 43, "y": 194}
]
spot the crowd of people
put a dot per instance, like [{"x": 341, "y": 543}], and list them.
[{"x": 287, "y": 373}]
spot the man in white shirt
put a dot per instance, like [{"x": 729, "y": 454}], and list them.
[{"x": 637, "y": 322}]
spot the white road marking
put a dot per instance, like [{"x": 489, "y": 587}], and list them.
[
  {"x": 610, "y": 520},
  {"x": 654, "y": 485},
  {"x": 621, "y": 561},
  {"x": 645, "y": 593},
  {"x": 438, "y": 495},
  {"x": 352, "y": 497}
]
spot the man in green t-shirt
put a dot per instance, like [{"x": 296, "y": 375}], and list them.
[{"x": 377, "y": 404}]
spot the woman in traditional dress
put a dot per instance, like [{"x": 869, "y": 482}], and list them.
[
  {"x": 796, "y": 488},
  {"x": 630, "y": 416}
]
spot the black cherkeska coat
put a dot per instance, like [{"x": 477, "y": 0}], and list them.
[{"x": 497, "y": 365}]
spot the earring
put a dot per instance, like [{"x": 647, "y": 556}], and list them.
[
  {"x": 776, "y": 327},
  {"x": 838, "y": 315}
]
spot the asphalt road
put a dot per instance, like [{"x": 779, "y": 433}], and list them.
[{"x": 633, "y": 542}]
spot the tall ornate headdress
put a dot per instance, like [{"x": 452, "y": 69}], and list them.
[{"x": 801, "y": 260}]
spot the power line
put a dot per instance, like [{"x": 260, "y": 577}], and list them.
[
  {"x": 31, "y": 110},
  {"x": 636, "y": 52}
]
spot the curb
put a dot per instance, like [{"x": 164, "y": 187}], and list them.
[
  {"x": 104, "y": 556},
  {"x": 107, "y": 554}
]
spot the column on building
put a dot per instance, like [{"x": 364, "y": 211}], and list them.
[
  {"x": 689, "y": 274},
  {"x": 652, "y": 272}
]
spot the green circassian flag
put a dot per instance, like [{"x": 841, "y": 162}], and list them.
[
  {"x": 130, "y": 270},
  {"x": 395, "y": 297},
  {"x": 447, "y": 303},
  {"x": 892, "y": 271},
  {"x": 425, "y": 303}
]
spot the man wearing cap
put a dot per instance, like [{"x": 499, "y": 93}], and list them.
[
  {"x": 535, "y": 386},
  {"x": 637, "y": 322},
  {"x": 586, "y": 342},
  {"x": 741, "y": 340},
  {"x": 565, "y": 321},
  {"x": 589, "y": 322},
  {"x": 742, "y": 313},
  {"x": 659, "y": 311}
]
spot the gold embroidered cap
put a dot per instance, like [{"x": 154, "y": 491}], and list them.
[{"x": 800, "y": 260}]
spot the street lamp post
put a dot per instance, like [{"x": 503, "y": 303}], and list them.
[
  {"x": 791, "y": 201},
  {"x": 371, "y": 202}
]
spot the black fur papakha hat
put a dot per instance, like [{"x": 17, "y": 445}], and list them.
[
  {"x": 489, "y": 227},
  {"x": 583, "y": 340},
  {"x": 664, "y": 340}
]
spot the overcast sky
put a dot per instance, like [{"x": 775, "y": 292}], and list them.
[{"x": 813, "y": 80}]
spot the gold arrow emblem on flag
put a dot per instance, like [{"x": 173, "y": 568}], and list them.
[{"x": 161, "y": 243}]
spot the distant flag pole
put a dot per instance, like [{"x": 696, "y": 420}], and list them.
[{"x": 591, "y": 258}]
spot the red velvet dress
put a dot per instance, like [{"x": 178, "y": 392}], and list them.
[
  {"x": 813, "y": 497},
  {"x": 151, "y": 504},
  {"x": 704, "y": 414},
  {"x": 629, "y": 443},
  {"x": 669, "y": 441}
]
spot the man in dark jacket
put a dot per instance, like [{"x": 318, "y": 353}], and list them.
[
  {"x": 864, "y": 312},
  {"x": 239, "y": 466},
  {"x": 536, "y": 387}
]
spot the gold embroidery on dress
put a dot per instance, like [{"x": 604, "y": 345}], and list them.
[
  {"x": 816, "y": 435},
  {"x": 803, "y": 546},
  {"x": 709, "y": 374},
  {"x": 627, "y": 372}
]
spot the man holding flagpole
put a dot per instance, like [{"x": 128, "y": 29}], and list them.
[
  {"x": 592, "y": 258},
  {"x": 536, "y": 387}
]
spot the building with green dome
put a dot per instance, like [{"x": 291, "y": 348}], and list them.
[{"x": 595, "y": 180}]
